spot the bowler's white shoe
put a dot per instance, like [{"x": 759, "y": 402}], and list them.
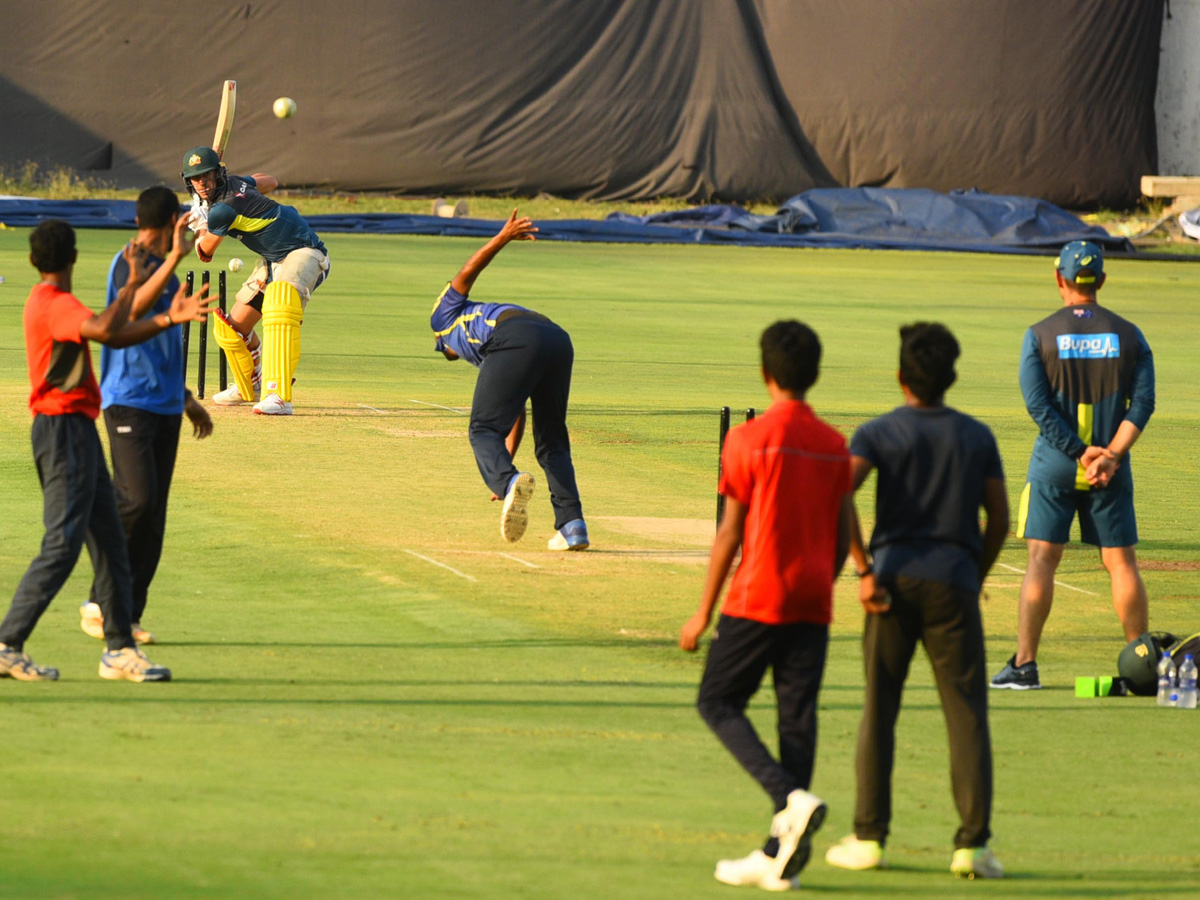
[
  {"x": 572, "y": 536},
  {"x": 514, "y": 517},
  {"x": 851, "y": 853},
  {"x": 757, "y": 869},
  {"x": 271, "y": 405},
  {"x": 232, "y": 397},
  {"x": 794, "y": 827}
]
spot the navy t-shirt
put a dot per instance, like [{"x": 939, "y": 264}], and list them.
[{"x": 932, "y": 463}]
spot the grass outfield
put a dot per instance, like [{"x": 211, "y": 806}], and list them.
[{"x": 373, "y": 700}]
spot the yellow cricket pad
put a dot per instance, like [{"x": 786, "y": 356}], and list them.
[
  {"x": 282, "y": 312},
  {"x": 240, "y": 359}
]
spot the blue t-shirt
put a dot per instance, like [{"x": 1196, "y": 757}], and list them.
[
  {"x": 932, "y": 464},
  {"x": 463, "y": 326},
  {"x": 265, "y": 227},
  {"x": 148, "y": 375}
]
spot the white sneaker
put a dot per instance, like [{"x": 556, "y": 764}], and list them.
[
  {"x": 976, "y": 862},
  {"x": 91, "y": 620},
  {"x": 851, "y": 853},
  {"x": 757, "y": 869},
  {"x": 514, "y": 517},
  {"x": 232, "y": 397},
  {"x": 141, "y": 635},
  {"x": 271, "y": 405},
  {"x": 572, "y": 536},
  {"x": 131, "y": 664},
  {"x": 794, "y": 826}
]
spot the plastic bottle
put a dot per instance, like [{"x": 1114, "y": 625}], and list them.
[
  {"x": 1166, "y": 680},
  {"x": 1187, "y": 683}
]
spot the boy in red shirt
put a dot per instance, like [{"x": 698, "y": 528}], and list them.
[
  {"x": 78, "y": 501},
  {"x": 786, "y": 480}
]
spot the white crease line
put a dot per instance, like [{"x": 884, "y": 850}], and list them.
[
  {"x": 442, "y": 565},
  {"x": 1056, "y": 581},
  {"x": 439, "y": 406},
  {"x": 373, "y": 409},
  {"x": 518, "y": 559}
]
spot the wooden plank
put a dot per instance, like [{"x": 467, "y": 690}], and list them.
[{"x": 1170, "y": 185}]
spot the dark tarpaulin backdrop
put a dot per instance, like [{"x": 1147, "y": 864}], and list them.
[{"x": 721, "y": 99}]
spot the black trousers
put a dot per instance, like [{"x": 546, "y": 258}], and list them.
[
  {"x": 78, "y": 508},
  {"x": 144, "y": 446},
  {"x": 530, "y": 359},
  {"x": 741, "y": 652},
  {"x": 946, "y": 620}
]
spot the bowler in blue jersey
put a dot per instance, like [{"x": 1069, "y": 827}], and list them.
[
  {"x": 522, "y": 357},
  {"x": 1087, "y": 376}
]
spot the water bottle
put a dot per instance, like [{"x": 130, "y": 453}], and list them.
[
  {"x": 1187, "y": 683},
  {"x": 1166, "y": 680}
]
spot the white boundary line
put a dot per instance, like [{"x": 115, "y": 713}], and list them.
[
  {"x": 461, "y": 412},
  {"x": 442, "y": 565},
  {"x": 373, "y": 409},
  {"x": 1056, "y": 581},
  {"x": 518, "y": 559}
]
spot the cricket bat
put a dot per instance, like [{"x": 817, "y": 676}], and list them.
[{"x": 225, "y": 118}]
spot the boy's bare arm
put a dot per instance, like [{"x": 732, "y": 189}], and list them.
[
  {"x": 724, "y": 549},
  {"x": 995, "y": 506}
]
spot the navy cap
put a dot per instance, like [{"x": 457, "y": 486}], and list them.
[{"x": 1079, "y": 255}]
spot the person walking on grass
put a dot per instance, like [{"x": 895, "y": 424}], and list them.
[
  {"x": 78, "y": 503},
  {"x": 786, "y": 481},
  {"x": 937, "y": 468},
  {"x": 1087, "y": 376}
]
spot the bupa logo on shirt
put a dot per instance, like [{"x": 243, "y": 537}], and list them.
[{"x": 1088, "y": 346}]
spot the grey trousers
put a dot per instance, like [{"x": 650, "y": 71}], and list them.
[{"x": 946, "y": 620}]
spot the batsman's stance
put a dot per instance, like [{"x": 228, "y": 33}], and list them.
[{"x": 293, "y": 264}]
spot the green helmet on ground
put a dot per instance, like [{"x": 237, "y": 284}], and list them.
[
  {"x": 1138, "y": 664},
  {"x": 199, "y": 160}
]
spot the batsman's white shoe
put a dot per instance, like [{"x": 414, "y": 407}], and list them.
[
  {"x": 794, "y": 826},
  {"x": 271, "y": 405},
  {"x": 757, "y": 870},
  {"x": 851, "y": 853},
  {"x": 514, "y": 517},
  {"x": 231, "y": 397},
  {"x": 141, "y": 635},
  {"x": 91, "y": 620}
]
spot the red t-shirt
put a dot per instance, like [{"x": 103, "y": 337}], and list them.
[
  {"x": 60, "y": 361},
  {"x": 791, "y": 470}
]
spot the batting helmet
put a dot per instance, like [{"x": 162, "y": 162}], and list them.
[
  {"x": 1138, "y": 664},
  {"x": 199, "y": 160}
]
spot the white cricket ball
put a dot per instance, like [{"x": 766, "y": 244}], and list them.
[
  {"x": 235, "y": 265},
  {"x": 285, "y": 108}
]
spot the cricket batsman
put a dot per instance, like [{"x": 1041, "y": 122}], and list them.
[{"x": 293, "y": 263}]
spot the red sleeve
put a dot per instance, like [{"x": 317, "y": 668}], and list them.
[
  {"x": 66, "y": 315},
  {"x": 737, "y": 478}
]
